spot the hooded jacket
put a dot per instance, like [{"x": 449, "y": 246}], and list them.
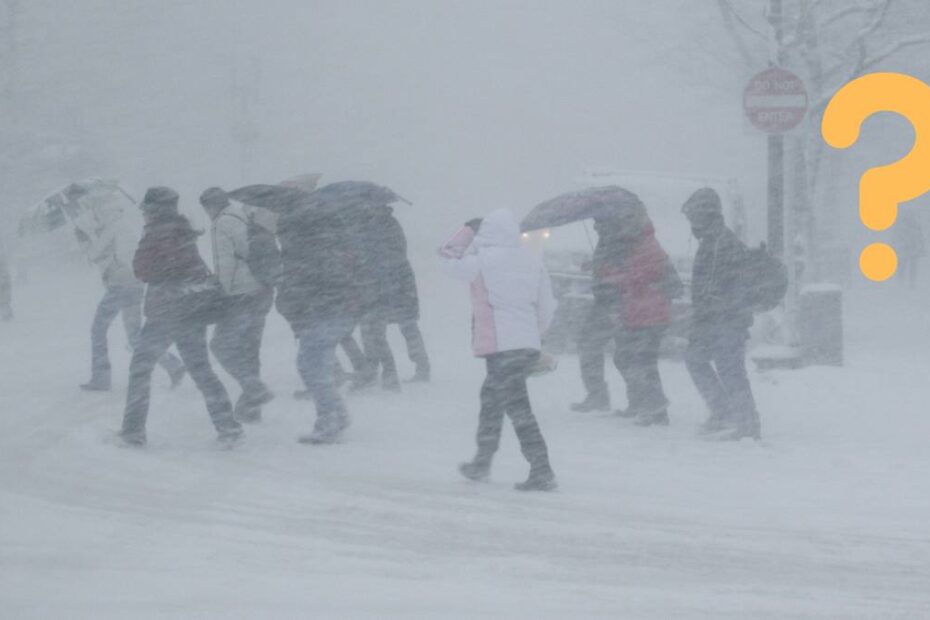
[
  {"x": 638, "y": 276},
  {"x": 511, "y": 293},
  {"x": 167, "y": 259}
]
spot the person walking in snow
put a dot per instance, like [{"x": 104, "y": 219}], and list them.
[
  {"x": 632, "y": 283},
  {"x": 635, "y": 277},
  {"x": 716, "y": 355},
  {"x": 180, "y": 300},
  {"x": 108, "y": 239},
  {"x": 6, "y": 287},
  {"x": 396, "y": 301},
  {"x": 512, "y": 306},
  {"x": 319, "y": 297},
  {"x": 237, "y": 337}
]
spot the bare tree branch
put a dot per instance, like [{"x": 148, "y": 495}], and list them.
[
  {"x": 728, "y": 14},
  {"x": 732, "y": 10}
]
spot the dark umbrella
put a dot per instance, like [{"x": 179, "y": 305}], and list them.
[
  {"x": 276, "y": 198},
  {"x": 358, "y": 193},
  {"x": 590, "y": 203}
]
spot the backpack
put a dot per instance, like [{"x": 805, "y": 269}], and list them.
[
  {"x": 766, "y": 279},
  {"x": 264, "y": 259}
]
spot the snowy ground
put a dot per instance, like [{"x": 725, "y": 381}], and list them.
[{"x": 829, "y": 518}]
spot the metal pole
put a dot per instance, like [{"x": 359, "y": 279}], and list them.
[{"x": 776, "y": 156}]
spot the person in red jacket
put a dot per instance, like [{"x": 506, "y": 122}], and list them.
[
  {"x": 631, "y": 274},
  {"x": 640, "y": 272}
]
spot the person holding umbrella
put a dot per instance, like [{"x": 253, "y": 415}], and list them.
[
  {"x": 512, "y": 306},
  {"x": 319, "y": 294},
  {"x": 107, "y": 237},
  {"x": 633, "y": 305}
]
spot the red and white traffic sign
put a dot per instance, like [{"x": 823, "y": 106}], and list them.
[{"x": 775, "y": 100}]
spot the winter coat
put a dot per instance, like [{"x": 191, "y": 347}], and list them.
[
  {"x": 511, "y": 293},
  {"x": 396, "y": 298},
  {"x": 638, "y": 275},
  {"x": 320, "y": 280},
  {"x": 718, "y": 283},
  {"x": 230, "y": 235},
  {"x": 167, "y": 260},
  {"x": 108, "y": 237}
]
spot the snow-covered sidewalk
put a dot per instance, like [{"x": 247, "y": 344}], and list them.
[{"x": 829, "y": 517}]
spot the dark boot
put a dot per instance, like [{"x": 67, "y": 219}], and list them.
[
  {"x": 595, "y": 401},
  {"x": 420, "y": 376},
  {"x": 230, "y": 436},
  {"x": 656, "y": 418},
  {"x": 390, "y": 383},
  {"x": 540, "y": 479},
  {"x": 135, "y": 439},
  {"x": 476, "y": 470},
  {"x": 246, "y": 411},
  {"x": 99, "y": 382},
  {"x": 714, "y": 424}
]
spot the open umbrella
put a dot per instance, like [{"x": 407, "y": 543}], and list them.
[
  {"x": 307, "y": 182},
  {"x": 590, "y": 203},
  {"x": 275, "y": 198},
  {"x": 72, "y": 205},
  {"x": 358, "y": 193}
]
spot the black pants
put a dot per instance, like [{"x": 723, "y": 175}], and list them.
[
  {"x": 596, "y": 331},
  {"x": 127, "y": 301},
  {"x": 504, "y": 392},
  {"x": 237, "y": 339},
  {"x": 377, "y": 350},
  {"x": 716, "y": 360},
  {"x": 416, "y": 348},
  {"x": 637, "y": 358},
  {"x": 191, "y": 341}
]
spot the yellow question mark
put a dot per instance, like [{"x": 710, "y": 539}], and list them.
[{"x": 882, "y": 189}]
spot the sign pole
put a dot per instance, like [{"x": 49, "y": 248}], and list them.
[
  {"x": 776, "y": 157},
  {"x": 776, "y": 195}
]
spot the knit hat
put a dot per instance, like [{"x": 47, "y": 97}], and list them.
[
  {"x": 215, "y": 197},
  {"x": 159, "y": 197},
  {"x": 705, "y": 201}
]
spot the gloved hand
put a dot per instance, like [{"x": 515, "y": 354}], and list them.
[{"x": 474, "y": 223}]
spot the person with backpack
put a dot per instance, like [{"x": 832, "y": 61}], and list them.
[
  {"x": 181, "y": 299},
  {"x": 723, "y": 282},
  {"x": 512, "y": 306},
  {"x": 108, "y": 238},
  {"x": 237, "y": 337}
]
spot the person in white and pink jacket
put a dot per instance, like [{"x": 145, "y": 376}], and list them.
[{"x": 512, "y": 305}]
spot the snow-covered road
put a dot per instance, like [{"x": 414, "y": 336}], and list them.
[{"x": 829, "y": 518}]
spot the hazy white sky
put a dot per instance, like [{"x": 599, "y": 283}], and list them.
[{"x": 459, "y": 105}]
